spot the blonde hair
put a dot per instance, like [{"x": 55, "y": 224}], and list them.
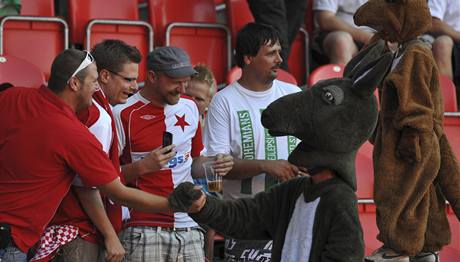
[{"x": 205, "y": 75}]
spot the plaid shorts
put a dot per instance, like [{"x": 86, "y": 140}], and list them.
[{"x": 143, "y": 243}]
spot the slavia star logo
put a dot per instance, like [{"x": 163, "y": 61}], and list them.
[{"x": 181, "y": 122}]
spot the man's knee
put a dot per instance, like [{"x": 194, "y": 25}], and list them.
[
  {"x": 339, "y": 46},
  {"x": 443, "y": 46}
]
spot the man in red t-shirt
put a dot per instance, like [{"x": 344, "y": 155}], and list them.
[
  {"x": 43, "y": 145},
  {"x": 117, "y": 66}
]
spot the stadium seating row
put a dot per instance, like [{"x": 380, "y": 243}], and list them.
[{"x": 37, "y": 35}]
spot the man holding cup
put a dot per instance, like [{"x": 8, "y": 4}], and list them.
[
  {"x": 152, "y": 167},
  {"x": 233, "y": 126}
]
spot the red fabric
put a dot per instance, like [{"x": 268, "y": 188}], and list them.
[
  {"x": 43, "y": 145},
  {"x": 70, "y": 211},
  {"x": 159, "y": 183},
  {"x": 113, "y": 209},
  {"x": 143, "y": 126}
]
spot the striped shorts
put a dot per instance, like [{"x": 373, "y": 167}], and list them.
[{"x": 144, "y": 243}]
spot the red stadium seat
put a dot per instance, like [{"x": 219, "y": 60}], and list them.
[
  {"x": 365, "y": 172},
  {"x": 325, "y": 72},
  {"x": 235, "y": 74},
  {"x": 449, "y": 94},
  {"x": 164, "y": 12},
  {"x": 238, "y": 15},
  {"x": 298, "y": 58},
  {"x": 191, "y": 25},
  {"x": 19, "y": 72},
  {"x": 82, "y": 11},
  {"x": 35, "y": 36},
  {"x": 92, "y": 21},
  {"x": 37, "y": 7}
]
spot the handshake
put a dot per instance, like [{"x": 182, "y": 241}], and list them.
[{"x": 187, "y": 197}]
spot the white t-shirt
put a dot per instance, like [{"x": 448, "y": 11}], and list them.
[
  {"x": 343, "y": 9},
  {"x": 233, "y": 126},
  {"x": 447, "y": 11}
]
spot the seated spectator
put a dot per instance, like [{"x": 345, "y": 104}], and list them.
[
  {"x": 337, "y": 37},
  {"x": 445, "y": 34}
]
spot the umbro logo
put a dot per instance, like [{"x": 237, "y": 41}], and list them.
[{"x": 147, "y": 117}]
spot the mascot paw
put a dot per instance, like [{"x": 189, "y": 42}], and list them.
[
  {"x": 409, "y": 146},
  {"x": 183, "y": 196}
]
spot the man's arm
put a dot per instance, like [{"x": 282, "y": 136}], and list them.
[
  {"x": 327, "y": 21},
  {"x": 151, "y": 163},
  {"x": 279, "y": 169},
  {"x": 134, "y": 198},
  {"x": 91, "y": 202},
  {"x": 440, "y": 28}
]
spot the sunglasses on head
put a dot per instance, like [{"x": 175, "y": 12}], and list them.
[{"x": 89, "y": 59}]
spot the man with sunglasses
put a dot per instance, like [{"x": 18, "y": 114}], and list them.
[
  {"x": 43, "y": 146},
  {"x": 117, "y": 66}
]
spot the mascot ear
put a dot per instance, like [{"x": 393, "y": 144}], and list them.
[
  {"x": 369, "y": 75},
  {"x": 364, "y": 57}
]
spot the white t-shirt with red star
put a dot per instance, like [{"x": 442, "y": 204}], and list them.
[{"x": 140, "y": 126}]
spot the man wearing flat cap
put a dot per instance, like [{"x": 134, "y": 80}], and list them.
[{"x": 158, "y": 108}]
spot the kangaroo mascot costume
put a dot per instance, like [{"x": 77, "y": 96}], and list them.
[
  {"x": 414, "y": 165},
  {"x": 308, "y": 218}
]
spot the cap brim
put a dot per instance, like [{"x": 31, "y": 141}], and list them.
[{"x": 181, "y": 72}]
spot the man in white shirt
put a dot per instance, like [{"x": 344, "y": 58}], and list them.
[{"x": 233, "y": 126}]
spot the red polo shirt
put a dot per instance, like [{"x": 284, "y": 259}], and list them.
[{"x": 42, "y": 146}]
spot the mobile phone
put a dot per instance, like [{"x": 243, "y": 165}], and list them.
[{"x": 167, "y": 139}]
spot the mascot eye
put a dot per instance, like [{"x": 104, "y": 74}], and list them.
[
  {"x": 329, "y": 97},
  {"x": 332, "y": 95}
]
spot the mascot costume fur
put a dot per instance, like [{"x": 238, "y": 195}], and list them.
[
  {"x": 415, "y": 169},
  {"x": 310, "y": 218}
]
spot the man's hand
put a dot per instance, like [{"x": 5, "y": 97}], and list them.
[
  {"x": 158, "y": 158},
  {"x": 187, "y": 198},
  {"x": 281, "y": 169},
  {"x": 223, "y": 164},
  {"x": 198, "y": 204},
  {"x": 114, "y": 249}
]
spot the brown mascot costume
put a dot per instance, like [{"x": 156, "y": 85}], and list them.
[{"x": 415, "y": 168}]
